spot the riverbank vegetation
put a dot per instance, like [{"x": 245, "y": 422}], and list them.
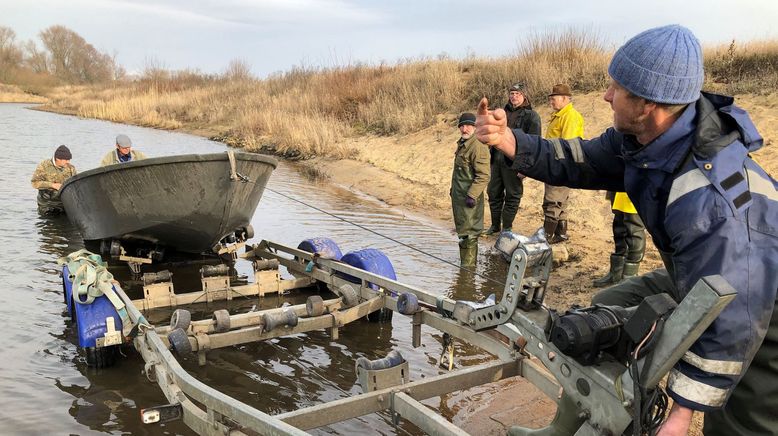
[{"x": 310, "y": 111}]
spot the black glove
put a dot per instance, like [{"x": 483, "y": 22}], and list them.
[{"x": 469, "y": 201}]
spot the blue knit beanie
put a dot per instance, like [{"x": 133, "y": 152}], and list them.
[{"x": 663, "y": 65}]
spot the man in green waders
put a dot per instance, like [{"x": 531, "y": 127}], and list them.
[{"x": 468, "y": 181}]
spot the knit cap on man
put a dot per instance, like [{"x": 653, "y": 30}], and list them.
[
  {"x": 63, "y": 153},
  {"x": 663, "y": 65}
]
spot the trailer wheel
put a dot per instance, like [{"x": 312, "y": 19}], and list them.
[
  {"x": 179, "y": 342},
  {"x": 221, "y": 320},
  {"x": 314, "y": 306},
  {"x": 180, "y": 319},
  {"x": 373, "y": 261},
  {"x": 349, "y": 295},
  {"x": 102, "y": 357},
  {"x": 407, "y": 303}
]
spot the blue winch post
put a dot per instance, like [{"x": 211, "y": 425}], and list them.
[{"x": 89, "y": 318}]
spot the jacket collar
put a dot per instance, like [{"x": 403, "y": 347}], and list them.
[
  {"x": 668, "y": 150},
  {"x": 509, "y": 107},
  {"x": 568, "y": 107}
]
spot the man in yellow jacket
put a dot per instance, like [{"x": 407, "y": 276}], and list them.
[
  {"x": 566, "y": 123},
  {"x": 629, "y": 239}
]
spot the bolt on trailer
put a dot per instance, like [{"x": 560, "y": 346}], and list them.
[{"x": 602, "y": 365}]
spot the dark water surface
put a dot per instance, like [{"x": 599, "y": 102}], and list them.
[{"x": 45, "y": 384}]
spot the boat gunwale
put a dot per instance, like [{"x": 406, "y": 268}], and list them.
[{"x": 164, "y": 160}]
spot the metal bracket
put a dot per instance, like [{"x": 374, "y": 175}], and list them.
[
  {"x": 112, "y": 336},
  {"x": 480, "y": 317},
  {"x": 156, "y": 294},
  {"x": 160, "y": 414},
  {"x": 377, "y": 379},
  {"x": 214, "y": 287}
]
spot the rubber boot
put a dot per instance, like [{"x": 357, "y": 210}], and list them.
[
  {"x": 493, "y": 229},
  {"x": 614, "y": 275},
  {"x": 560, "y": 234},
  {"x": 507, "y": 221},
  {"x": 631, "y": 269},
  {"x": 468, "y": 252},
  {"x": 549, "y": 226}
]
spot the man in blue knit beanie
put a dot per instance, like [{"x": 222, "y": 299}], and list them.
[{"x": 682, "y": 156}]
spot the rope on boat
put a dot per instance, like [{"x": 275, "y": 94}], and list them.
[{"x": 471, "y": 271}]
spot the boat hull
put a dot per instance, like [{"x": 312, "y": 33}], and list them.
[{"x": 188, "y": 203}]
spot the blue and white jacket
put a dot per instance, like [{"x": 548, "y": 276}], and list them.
[{"x": 710, "y": 210}]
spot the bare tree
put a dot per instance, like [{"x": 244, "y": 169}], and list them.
[
  {"x": 238, "y": 69},
  {"x": 73, "y": 60},
  {"x": 10, "y": 54},
  {"x": 35, "y": 59},
  {"x": 155, "y": 75}
]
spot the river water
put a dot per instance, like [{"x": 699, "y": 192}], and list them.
[{"x": 45, "y": 383}]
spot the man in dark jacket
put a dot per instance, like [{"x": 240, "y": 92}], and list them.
[
  {"x": 683, "y": 159},
  {"x": 48, "y": 179},
  {"x": 505, "y": 185}
]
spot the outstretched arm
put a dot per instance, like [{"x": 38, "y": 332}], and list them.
[{"x": 594, "y": 164}]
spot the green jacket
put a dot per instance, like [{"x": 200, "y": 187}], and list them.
[
  {"x": 469, "y": 179},
  {"x": 46, "y": 174},
  {"x": 112, "y": 158}
]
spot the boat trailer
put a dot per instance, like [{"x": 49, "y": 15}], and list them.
[{"x": 595, "y": 395}]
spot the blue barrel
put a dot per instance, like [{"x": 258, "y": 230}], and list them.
[
  {"x": 371, "y": 260},
  {"x": 89, "y": 318},
  {"x": 324, "y": 247}
]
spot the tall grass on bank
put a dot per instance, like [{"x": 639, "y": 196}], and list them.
[
  {"x": 314, "y": 111},
  {"x": 738, "y": 68}
]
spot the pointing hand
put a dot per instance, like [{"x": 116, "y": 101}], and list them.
[{"x": 490, "y": 126}]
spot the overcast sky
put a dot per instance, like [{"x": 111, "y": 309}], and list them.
[{"x": 275, "y": 35}]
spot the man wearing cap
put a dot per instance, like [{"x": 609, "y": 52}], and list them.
[
  {"x": 123, "y": 153},
  {"x": 505, "y": 185},
  {"x": 682, "y": 156},
  {"x": 566, "y": 123},
  {"x": 468, "y": 181},
  {"x": 48, "y": 178}
]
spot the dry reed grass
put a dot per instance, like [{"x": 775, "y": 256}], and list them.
[
  {"x": 313, "y": 111},
  {"x": 14, "y": 94}
]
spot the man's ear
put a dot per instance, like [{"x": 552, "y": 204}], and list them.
[{"x": 649, "y": 107}]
